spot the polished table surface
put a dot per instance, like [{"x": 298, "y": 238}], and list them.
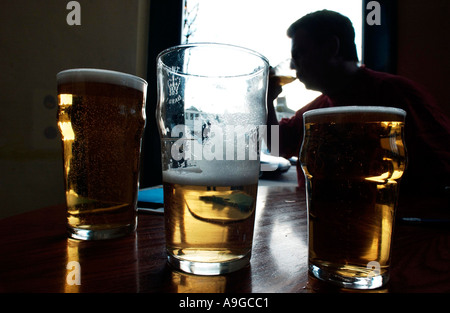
[{"x": 35, "y": 251}]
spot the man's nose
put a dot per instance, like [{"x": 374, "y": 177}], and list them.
[{"x": 292, "y": 64}]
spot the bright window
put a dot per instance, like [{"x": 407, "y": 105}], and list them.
[{"x": 261, "y": 25}]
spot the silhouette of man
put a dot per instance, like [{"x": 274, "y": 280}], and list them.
[{"x": 325, "y": 59}]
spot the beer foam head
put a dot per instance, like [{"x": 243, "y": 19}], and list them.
[
  {"x": 215, "y": 173},
  {"x": 354, "y": 114},
  {"x": 101, "y": 76}
]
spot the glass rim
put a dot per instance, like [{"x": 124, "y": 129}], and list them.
[
  {"x": 347, "y": 110},
  {"x": 214, "y": 45},
  {"x": 102, "y": 76}
]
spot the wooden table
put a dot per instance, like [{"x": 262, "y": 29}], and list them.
[{"x": 34, "y": 253}]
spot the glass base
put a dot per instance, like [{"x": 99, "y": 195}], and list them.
[
  {"x": 349, "y": 281},
  {"x": 208, "y": 268},
  {"x": 100, "y": 234}
]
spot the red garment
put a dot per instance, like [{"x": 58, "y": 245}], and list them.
[{"x": 427, "y": 129}]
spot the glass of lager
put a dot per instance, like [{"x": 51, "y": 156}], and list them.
[
  {"x": 353, "y": 159},
  {"x": 101, "y": 117},
  {"x": 212, "y": 103},
  {"x": 284, "y": 72}
]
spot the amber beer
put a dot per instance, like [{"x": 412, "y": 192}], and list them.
[
  {"x": 209, "y": 222},
  {"x": 353, "y": 159},
  {"x": 284, "y": 73},
  {"x": 284, "y": 80},
  {"x": 101, "y": 117}
]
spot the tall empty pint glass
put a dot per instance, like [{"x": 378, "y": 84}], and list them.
[
  {"x": 101, "y": 117},
  {"x": 353, "y": 159},
  {"x": 212, "y": 104}
]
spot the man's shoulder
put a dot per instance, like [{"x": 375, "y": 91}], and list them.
[
  {"x": 396, "y": 87},
  {"x": 322, "y": 101},
  {"x": 389, "y": 80}
]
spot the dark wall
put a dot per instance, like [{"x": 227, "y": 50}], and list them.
[
  {"x": 424, "y": 46},
  {"x": 164, "y": 32}
]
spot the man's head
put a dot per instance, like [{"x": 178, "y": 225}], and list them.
[{"x": 321, "y": 42}]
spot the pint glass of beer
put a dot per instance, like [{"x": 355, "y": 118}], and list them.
[
  {"x": 101, "y": 116},
  {"x": 284, "y": 72},
  {"x": 212, "y": 104},
  {"x": 353, "y": 159}
]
